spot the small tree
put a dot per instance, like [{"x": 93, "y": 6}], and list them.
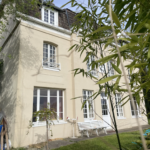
[{"x": 48, "y": 115}]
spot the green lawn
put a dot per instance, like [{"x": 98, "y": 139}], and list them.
[{"x": 105, "y": 143}]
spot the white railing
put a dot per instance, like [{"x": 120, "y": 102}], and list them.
[{"x": 50, "y": 65}]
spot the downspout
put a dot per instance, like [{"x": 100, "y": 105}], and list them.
[{"x": 67, "y": 18}]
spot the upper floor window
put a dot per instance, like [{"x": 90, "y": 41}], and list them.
[
  {"x": 94, "y": 72},
  {"x": 50, "y": 16},
  {"x": 118, "y": 105},
  {"x": 49, "y": 57},
  {"x": 111, "y": 71},
  {"x": 102, "y": 68},
  {"x": 88, "y": 107},
  {"x": 52, "y": 97}
]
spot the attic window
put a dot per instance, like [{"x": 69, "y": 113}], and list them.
[{"x": 50, "y": 16}]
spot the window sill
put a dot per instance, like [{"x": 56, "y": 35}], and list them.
[
  {"x": 52, "y": 69},
  {"x": 44, "y": 123},
  {"x": 137, "y": 116},
  {"x": 121, "y": 117}
]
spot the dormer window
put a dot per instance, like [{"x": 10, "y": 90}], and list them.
[{"x": 50, "y": 16}]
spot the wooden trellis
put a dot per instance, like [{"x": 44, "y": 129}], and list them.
[{"x": 4, "y": 133}]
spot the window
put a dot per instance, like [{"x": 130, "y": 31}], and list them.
[
  {"x": 54, "y": 97},
  {"x": 110, "y": 68},
  {"x": 118, "y": 105},
  {"x": 50, "y": 16},
  {"x": 88, "y": 112},
  {"x": 49, "y": 57},
  {"x": 104, "y": 104},
  {"x": 135, "y": 112},
  {"x": 102, "y": 68},
  {"x": 129, "y": 77},
  {"x": 89, "y": 67},
  {"x": 45, "y": 15}
]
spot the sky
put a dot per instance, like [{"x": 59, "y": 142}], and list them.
[{"x": 59, "y": 3}]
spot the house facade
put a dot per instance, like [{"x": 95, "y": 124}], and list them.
[{"x": 39, "y": 72}]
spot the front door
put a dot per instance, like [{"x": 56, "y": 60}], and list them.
[{"x": 105, "y": 110}]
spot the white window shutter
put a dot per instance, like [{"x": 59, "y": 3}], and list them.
[
  {"x": 56, "y": 18},
  {"x": 42, "y": 13}
]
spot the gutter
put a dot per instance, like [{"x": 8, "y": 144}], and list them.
[{"x": 42, "y": 23}]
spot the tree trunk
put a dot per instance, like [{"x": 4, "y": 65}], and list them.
[{"x": 47, "y": 133}]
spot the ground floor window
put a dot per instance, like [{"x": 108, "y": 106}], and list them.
[
  {"x": 52, "y": 97},
  {"x": 88, "y": 111},
  {"x": 118, "y": 105},
  {"x": 135, "y": 112},
  {"x": 104, "y": 104}
]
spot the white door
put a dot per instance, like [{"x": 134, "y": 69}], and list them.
[{"x": 105, "y": 110}]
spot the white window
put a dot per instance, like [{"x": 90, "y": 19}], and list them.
[
  {"x": 102, "y": 68},
  {"x": 89, "y": 67},
  {"x": 129, "y": 77},
  {"x": 50, "y": 16},
  {"x": 54, "y": 97},
  {"x": 118, "y": 105},
  {"x": 104, "y": 104},
  {"x": 88, "y": 111},
  {"x": 135, "y": 112},
  {"x": 110, "y": 68},
  {"x": 49, "y": 57}
]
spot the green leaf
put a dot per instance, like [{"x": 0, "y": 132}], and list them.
[
  {"x": 125, "y": 102},
  {"x": 107, "y": 79},
  {"x": 101, "y": 29},
  {"x": 65, "y": 4},
  {"x": 118, "y": 61},
  {"x": 123, "y": 98},
  {"x": 130, "y": 14},
  {"x": 148, "y": 53},
  {"x": 147, "y": 26},
  {"x": 105, "y": 59},
  {"x": 116, "y": 68},
  {"x": 139, "y": 65},
  {"x": 114, "y": 16},
  {"x": 83, "y": 104},
  {"x": 134, "y": 38},
  {"x": 116, "y": 84}
]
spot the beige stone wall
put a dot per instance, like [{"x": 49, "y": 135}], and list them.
[
  {"x": 9, "y": 81},
  {"x": 30, "y": 74}
]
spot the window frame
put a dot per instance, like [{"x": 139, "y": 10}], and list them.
[
  {"x": 103, "y": 68},
  {"x": 105, "y": 111},
  {"x": 89, "y": 68},
  {"x": 49, "y": 13},
  {"x": 118, "y": 106},
  {"x": 87, "y": 104},
  {"x": 49, "y": 45},
  {"x": 109, "y": 65},
  {"x": 57, "y": 121},
  {"x": 138, "y": 110}
]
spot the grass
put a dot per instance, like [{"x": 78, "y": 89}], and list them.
[{"x": 106, "y": 143}]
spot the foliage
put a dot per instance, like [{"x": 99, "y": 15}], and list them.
[
  {"x": 147, "y": 138},
  {"x": 131, "y": 24},
  {"x": 48, "y": 115},
  {"x": 107, "y": 143}
]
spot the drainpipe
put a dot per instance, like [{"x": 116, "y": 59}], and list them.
[{"x": 67, "y": 18}]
